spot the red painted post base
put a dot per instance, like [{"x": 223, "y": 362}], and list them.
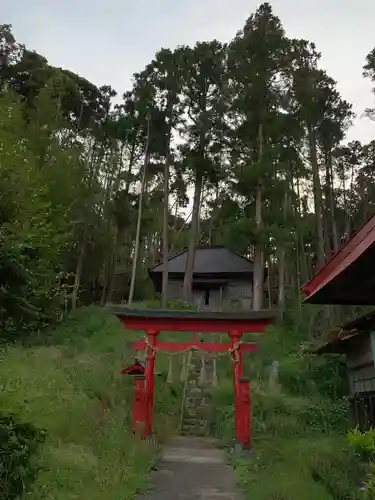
[
  {"x": 149, "y": 374},
  {"x": 244, "y": 418},
  {"x": 235, "y": 337},
  {"x": 138, "y": 411}
]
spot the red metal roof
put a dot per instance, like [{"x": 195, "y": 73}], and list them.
[{"x": 323, "y": 287}]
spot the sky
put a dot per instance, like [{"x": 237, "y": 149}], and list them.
[{"x": 106, "y": 42}]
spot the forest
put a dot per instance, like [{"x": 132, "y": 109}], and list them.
[
  {"x": 239, "y": 143},
  {"x": 242, "y": 144}
]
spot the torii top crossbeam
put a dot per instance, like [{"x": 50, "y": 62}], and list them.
[
  {"x": 192, "y": 321},
  {"x": 348, "y": 277}
]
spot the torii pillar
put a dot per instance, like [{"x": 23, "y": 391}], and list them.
[{"x": 152, "y": 322}]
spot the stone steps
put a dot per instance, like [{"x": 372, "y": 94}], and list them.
[
  {"x": 194, "y": 420},
  {"x": 193, "y": 430},
  {"x": 196, "y": 403}
]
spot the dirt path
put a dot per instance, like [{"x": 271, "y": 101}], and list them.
[{"x": 192, "y": 469}]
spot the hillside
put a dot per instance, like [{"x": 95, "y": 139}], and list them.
[
  {"x": 70, "y": 386},
  {"x": 299, "y": 425},
  {"x": 240, "y": 144}
]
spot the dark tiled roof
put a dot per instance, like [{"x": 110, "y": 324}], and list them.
[{"x": 209, "y": 260}]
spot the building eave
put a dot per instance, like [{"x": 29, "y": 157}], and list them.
[{"x": 348, "y": 265}]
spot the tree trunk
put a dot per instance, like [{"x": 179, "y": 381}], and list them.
[
  {"x": 93, "y": 173},
  {"x": 130, "y": 167},
  {"x": 258, "y": 278},
  {"x": 269, "y": 282},
  {"x": 164, "y": 290},
  {"x": 112, "y": 188},
  {"x": 281, "y": 280},
  {"x": 317, "y": 199},
  {"x": 139, "y": 219},
  {"x": 335, "y": 234},
  {"x": 188, "y": 277},
  {"x": 332, "y": 243},
  {"x": 326, "y": 232},
  {"x": 155, "y": 250},
  {"x": 112, "y": 271},
  {"x": 79, "y": 268},
  {"x": 214, "y": 216},
  {"x": 347, "y": 211},
  {"x": 174, "y": 244},
  {"x": 300, "y": 244},
  {"x": 105, "y": 283},
  {"x": 281, "y": 260}
]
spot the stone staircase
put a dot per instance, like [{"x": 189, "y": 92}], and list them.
[{"x": 195, "y": 414}]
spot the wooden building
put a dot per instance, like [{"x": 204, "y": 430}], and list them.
[
  {"x": 356, "y": 340},
  {"x": 348, "y": 278},
  {"x": 220, "y": 276}
]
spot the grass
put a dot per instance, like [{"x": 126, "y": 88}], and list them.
[
  {"x": 70, "y": 385},
  {"x": 300, "y": 450},
  {"x": 281, "y": 469}
]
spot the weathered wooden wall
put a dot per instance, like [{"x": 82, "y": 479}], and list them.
[
  {"x": 361, "y": 370},
  {"x": 236, "y": 291},
  {"x": 241, "y": 292}
]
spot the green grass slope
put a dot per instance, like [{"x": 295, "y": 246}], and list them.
[
  {"x": 70, "y": 385},
  {"x": 299, "y": 426}
]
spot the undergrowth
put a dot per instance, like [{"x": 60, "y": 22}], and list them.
[
  {"x": 66, "y": 388},
  {"x": 68, "y": 383},
  {"x": 300, "y": 449},
  {"x": 18, "y": 446}
]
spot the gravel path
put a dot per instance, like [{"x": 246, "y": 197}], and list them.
[{"x": 192, "y": 469}]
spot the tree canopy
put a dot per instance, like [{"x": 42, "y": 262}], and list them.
[{"x": 240, "y": 143}]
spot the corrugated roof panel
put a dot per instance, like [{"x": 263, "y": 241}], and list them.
[{"x": 209, "y": 260}]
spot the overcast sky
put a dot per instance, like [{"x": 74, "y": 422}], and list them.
[{"x": 106, "y": 42}]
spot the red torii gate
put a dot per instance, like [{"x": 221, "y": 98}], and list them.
[{"x": 155, "y": 321}]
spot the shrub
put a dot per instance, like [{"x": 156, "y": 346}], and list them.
[
  {"x": 339, "y": 471},
  {"x": 363, "y": 445},
  {"x": 368, "y": 488},
  {"x": 71, "y": 386},
  {"x": 363, "y": 442},
  {"x": 324, "y": 415},
  {"x": 18, "y": 443}
]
